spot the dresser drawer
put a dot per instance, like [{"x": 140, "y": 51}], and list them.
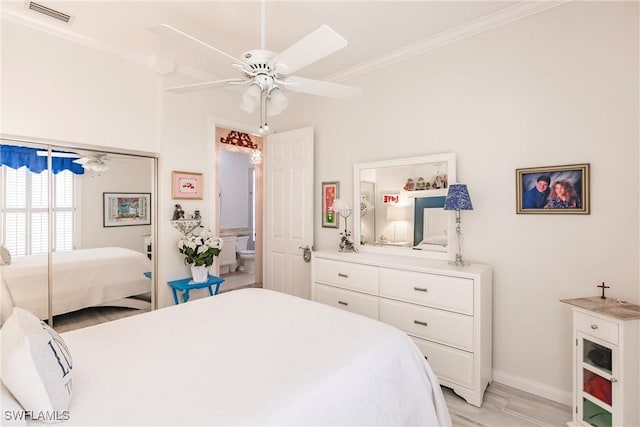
[
  {"x": 448, "y": 363},
  {"x": 347, "y": 275},
  {"x": 597, "y": 327},
  {"x": 437, "y": 325},
  {"x": 355, "y": 302},
  {"x": 449, "y": 293}
]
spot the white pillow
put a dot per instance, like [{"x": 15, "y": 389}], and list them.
[
  {"x": 5, "y": 255},
  {"x": 36, "y": 364}
]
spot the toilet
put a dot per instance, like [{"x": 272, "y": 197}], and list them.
[{"x": 247, "y": 256}]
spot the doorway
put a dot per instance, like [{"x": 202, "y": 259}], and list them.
[{"x": 240, "y": 213}]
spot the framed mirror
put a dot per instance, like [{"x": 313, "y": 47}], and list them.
[{"x": 402, "y": 206}]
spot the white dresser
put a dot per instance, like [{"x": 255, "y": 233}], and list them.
[{"x": 446, "y": 310}]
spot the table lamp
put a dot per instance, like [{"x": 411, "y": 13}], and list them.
[
  {"x": 396, "y": 214},
  {"x": 458, "y": 199}
]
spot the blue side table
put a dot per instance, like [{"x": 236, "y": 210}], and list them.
[{"x": 186, "y": 285}]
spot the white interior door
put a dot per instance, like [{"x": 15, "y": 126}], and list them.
[{"x": 288, "y": 211}]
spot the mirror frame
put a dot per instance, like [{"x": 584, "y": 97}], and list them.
[{"x": 450, "y": 159}]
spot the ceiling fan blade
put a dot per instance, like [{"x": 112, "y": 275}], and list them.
[
  {"x": 174, "y": 33},
  {"x": 60, "y": 154},
  {"x": 206, "y": 85},
  {"x": 314, "y": 46},
  {"x": 317, "y": 87},
  {"x": 81, "y": 161}
]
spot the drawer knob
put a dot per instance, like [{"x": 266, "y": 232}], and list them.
[
  {"x": 594, "y": 326},
  {"x": 417, "y": 322},
  {"x": 343, "y": 275},
  {"x": 415, "y": 288},
  {"x": 343, "y": 303}
]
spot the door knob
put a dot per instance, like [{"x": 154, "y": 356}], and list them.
[{"x": 306, "y": 253}]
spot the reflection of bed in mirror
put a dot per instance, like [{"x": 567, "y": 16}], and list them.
[
  {"x": 434, "y": 230},
  {"x": 81, "y": 278}
]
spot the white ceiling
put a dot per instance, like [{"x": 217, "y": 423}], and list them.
[{"x": 374, "y": 29}]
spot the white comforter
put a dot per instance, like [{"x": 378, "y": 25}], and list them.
[
  {"x": 81, "y": 278},
  {"x": 250, "y": 357}
]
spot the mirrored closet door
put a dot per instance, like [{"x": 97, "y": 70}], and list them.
[{"x": 79, "y": 227}]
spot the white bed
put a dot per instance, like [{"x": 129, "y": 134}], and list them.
[
  {"x": 81, "y": 278},
  {"x": 250, "y": 357}
]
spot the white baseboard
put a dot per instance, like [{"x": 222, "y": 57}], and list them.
[{"x": 534, "y": 387}]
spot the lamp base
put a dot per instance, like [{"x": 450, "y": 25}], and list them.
[{"x": 458, "y": 262}]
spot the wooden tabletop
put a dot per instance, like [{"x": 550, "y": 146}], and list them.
[{"x": 622, "y": 310}]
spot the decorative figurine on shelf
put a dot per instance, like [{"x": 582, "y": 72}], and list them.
[
  {"x": 178, "y": 213},
  {"x": 445, "y": 181},
  {"x": 409, "y": 185},
  {"x": 196, "y": 215},
  {"x": 437, "y": 182},
  {"x": 427, "y": 186},
  {"x": 420, "y": 185}
]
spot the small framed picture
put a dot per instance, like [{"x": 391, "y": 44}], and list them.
[
  {"x": 553, "y": 190},
  {"x": 330, "y": 192},
  {"x": 186, "y": 185},
  {"x": 123, "y": 209}
]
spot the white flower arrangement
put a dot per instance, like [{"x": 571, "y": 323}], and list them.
[{"x": 200, "y": 247}]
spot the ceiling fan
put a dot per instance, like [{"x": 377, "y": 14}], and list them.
[
  {"x": 267, "y": 73},
  {"x": 96, "y": 162}
]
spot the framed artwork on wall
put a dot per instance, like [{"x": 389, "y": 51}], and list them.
[
  {"x": 186, "y": 185},
  {"x": 124, "y": 209},
  {"x": 553, "y": 190},
  {"x": 330, "y": 192}
]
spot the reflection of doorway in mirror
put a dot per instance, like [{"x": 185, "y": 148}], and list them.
[{"x": 367, "y": 212}]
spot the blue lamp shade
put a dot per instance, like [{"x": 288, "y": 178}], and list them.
[{"x": 458, "y": 198}]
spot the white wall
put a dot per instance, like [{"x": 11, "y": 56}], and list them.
[
  {"x": 556, "y": 88},
  {"x": 56, "y": 89}
]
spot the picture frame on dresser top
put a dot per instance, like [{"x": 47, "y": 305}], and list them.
[
  {"x": 373, "y": 229},
  {"x": 447, "y": 311}
]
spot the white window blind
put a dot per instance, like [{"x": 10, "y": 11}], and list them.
[{"x": 25, "y": 211}]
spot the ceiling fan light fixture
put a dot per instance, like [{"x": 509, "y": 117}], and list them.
[
  {"x": 251, "y": 97},
  {"x": 278, "y": 102}
]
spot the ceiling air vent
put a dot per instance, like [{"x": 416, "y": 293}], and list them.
[{"x": 49, "y": 12}]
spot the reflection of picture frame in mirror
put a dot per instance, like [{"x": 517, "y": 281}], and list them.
[
  {"x": 125, "y": 209},
  {"x": 553, "y": 190},
  {"x": 330, "y": 192}
]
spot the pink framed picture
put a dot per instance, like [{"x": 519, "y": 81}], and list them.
[{"x": 187, "y": 185}]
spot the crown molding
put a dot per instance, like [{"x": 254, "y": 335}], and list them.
[
  {"x": 56, "y": 29},
  {"x": 493, "y": 20},
  {"x": 468, "y": 29}
]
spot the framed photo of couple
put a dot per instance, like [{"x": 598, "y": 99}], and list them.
[{"x": 553, "y": 190}]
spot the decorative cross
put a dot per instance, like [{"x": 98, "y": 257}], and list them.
[{"x": 603, "y": 288}]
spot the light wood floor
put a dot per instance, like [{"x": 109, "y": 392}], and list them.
[{"x": 503, "y": 406}]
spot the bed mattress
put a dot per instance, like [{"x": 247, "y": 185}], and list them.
[{"x": 250, "y": 357}]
